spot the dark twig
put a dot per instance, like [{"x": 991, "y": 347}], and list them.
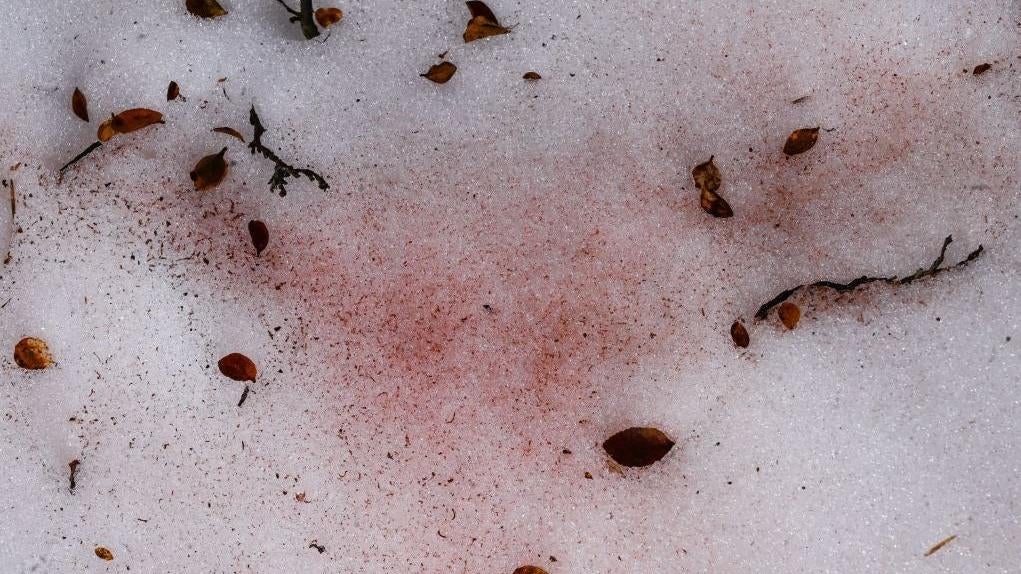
[
  {"x": 282, "y": 170},
  {"x": 922, "y": 273},
  {"x": 74, "y": 473},
  {"x": 244, "y": 395},
  {"x": 92, "y": 147},
  {"x": 305, "y": 16}
]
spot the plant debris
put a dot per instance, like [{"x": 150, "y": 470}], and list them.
[
  {"x": 231, "y": 132},
  {"x": 529, "y": 570},
  {"x": 327, "y": 17},
  {"x": 981, "y": 69},
  {"x": 638, "y": 446},
  {"x": 532, "y": 76},
  {"x": 797, "y": 101},
  {"x": 708, "y": 180},
  {"x": 483, "y": 23},
  {"x": 79, "y": 105},
  {"x": 740, "y": 335},
  {"x": 92, "y": 147},
  {"x": 282, "y": 171},
  {"x": 936, "y": 547},
  {"x": 209, "y": 171},
  {"x": 205, "y": 8},
  {"x": 104, "y": 553},
  {"x": 922, "y": 273},
  {"x": 801, "y": 140},
  {"x": 244, "y": 396},
  {"x": 32, "y": 353},
  {"x": 74, "y": 464},
  {"x": 237, "y": 367},
  {"x": 260, "y": 235},
  {"x": 440, "y": 73},
  {"x": 789, "y": 314},
  {"x": 319, "y": 547},
  {"x": 305, "y": 17},
  {"x": 173, "y": 91}
]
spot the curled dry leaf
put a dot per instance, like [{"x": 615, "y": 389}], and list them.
[
  {"x": 32, "y": 353},
  {"x": 327, "y": 17},
  {"x": 79, "y": 105},
  {"x": 789, "y": 314},
  {"x": 105, "y": 131},
  {"x": 981, "y": 69},
  {"x": 205, "y": 8},
  {"x": 532, "y": 76},
  {"x": 801, "y": 141},
  {"x": 483, "y": 23},
  {"x": 104, "y": 553},
  {"x": 135, "y": 119},
  {"x": 209, "y": 171},
  {"x": 173, "y": 90},
  {"x": 638, "y": 446},
  {"x": 231, "y": 132},
  {"x": 708, "y": 179},
  {"x": 530, "y": 570},
  {"x": 237, "y": 367},
  {"x": 260, "y": 235},
  {"x": 440, "y": 73},
  {"x": 740, "y": 335}
]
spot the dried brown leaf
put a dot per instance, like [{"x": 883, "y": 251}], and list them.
[
  {"x": 981, "y": 69},
  {"x": 440, "y": 73},
  {"x": 708, "y": 179},
  {"x": 479, "y": 9},
  {"x": 79, "y": 105},
  {"x": 104, "y": 553},
  {"x": 801, "y": 140},
  {"x": 135, "y": 119},
  {"x": 327, "y": 17},
  {"x": 209, "y": 171},
  {"x": 638, "y": 446},
  {"x": 532, "y": 76},
  {"x": 205, "y": 8},
  {"x": 32, "y": 353},
  {"x": 740, "y": 335},
  {"x": 529, "y": 570},
  {"x": 237, "y": 367},
  {"x": 106, "y": 131},
  {"x": 260, "y": 235},
  {"x": 173, "y": 90},
  {"x": 230, "y": 132},
  {"x": 483, "y": 23},
  {"x": 715, "y": 205},
  {"x": 789, "y": 314}
]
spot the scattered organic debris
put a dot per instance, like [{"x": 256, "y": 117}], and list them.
[
  {"x": 638, "y": 446},
  {"x": 319, "y": 547},
  {"x": 740, "y": 335},
  {"x": 529, "y": 570},
  {"x": 260, "y": 235},
  {"x": 104, "y": 553},
  {"x": 922, "y": 273},
  {"x": 231, "y": 132},
  {"x": 801, "y": 140},
  {"x": 483, "y": 23},
  {"x": 237, "y": 367},
  {"x": 440, "y": 73},
  {"x": 173, "y": 91},
  {"x": 532, "y": 76},
  {"x": 32, "y": 353},
  {"x": 327, "y": 17},
  {"x": 981, "y": 69},
  {"x": 305, "y": 17},
  {"x": 282, "y": 171},
  {"x": 789, "y": 314},
  {"x": 205, "y": 8},
  {"x": 74, "y": 473},
  {"x": 797, "y": 101},
  {"x": 244, "y": 396},
  {"x": 79, "y": 105},
  {"x": 209, "y": 171},
  {"x": 92, "y": 147},
  {"x": 708, "y": 179},
  {"x": 936, "y": 547}
]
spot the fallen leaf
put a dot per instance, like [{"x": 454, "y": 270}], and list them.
[
  {"x": 529, "y": 570},
  {"x": 708, "y": 179},
  {"x": 173, "y": 90},
  {"x": 237, "y": 367},
  {"x": 209, "y": 171},
  {"x": 106, "y": 131},
  {"x": 789, "y": 314},
  {"x": 483, "y": 23},
  {"x": 104, "y": 553},
  {"x": 32, "y": 353},
  {"x": 327, "y": 17},
  {"x": 638, "y": 446},
  {"x": 230, "y": 132},
  {"x": 532, "y": 76},
  {"x": 79, "y": 106},
  {"x": 740, "y": 335},
  {"x": 205, "y": 8},
  {"x": 135, "y": 119},
  {"x": 440, "y": 73},
  {"x": 801, "y": 141},
  {"x": 940, "y": 544},
  {"x": 260, "y": 235},
  {"x": 981, "y": 69}
]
